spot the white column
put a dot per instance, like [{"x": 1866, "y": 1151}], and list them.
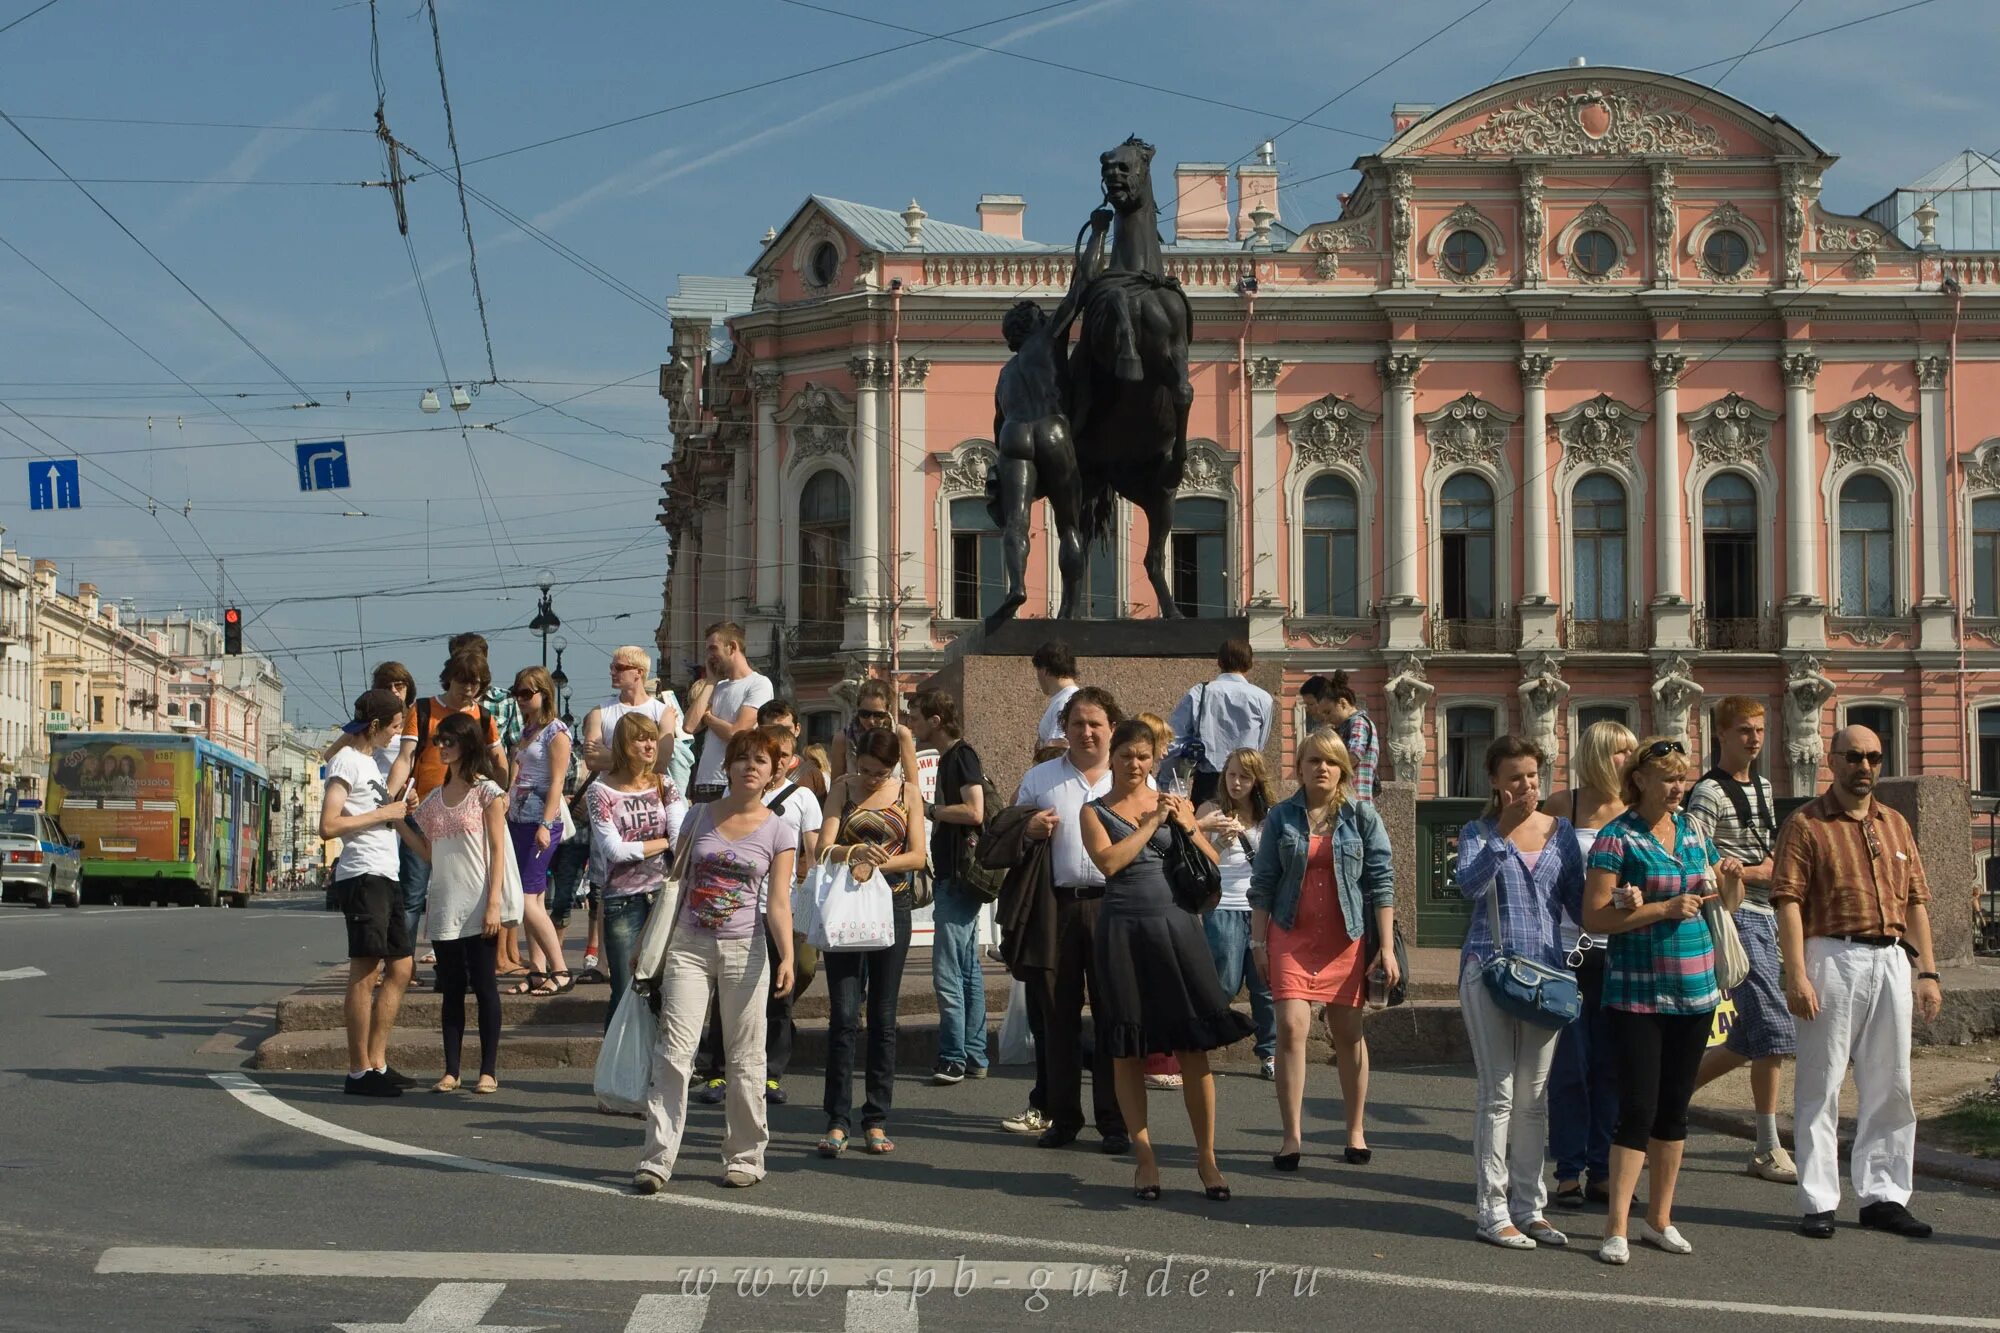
[
  {"x": 740, "y": 521},
  {"x": 1535, "y": 368},
  {"x": 1403, "y": 553},
  {"x": 869, "y": 448},
  {"x": 1671, "y": 543},
  {"x": 1931, "y": 468},
  {"x": 1801, "y": 369},
  {"x": 770, "y": 516},
  {"x": 912, "y": 623},
  {"x": 1262, "y": 511}
]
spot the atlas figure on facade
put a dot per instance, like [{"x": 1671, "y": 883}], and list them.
[{"x": 1079, "y": 425}]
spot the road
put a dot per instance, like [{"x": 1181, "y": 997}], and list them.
[{"x": 149, "y": 1181}]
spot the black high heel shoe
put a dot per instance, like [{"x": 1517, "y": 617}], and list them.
[
  {"x": 1284, "y": 1161},
  {"x": 1359, "y": 1156},
  {"x": 1216, "y": 1193},
  {"x": 1149, "y": 1193}
]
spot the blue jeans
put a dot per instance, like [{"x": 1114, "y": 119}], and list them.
[
  {"x": 956, "y": 975},
  {"x": 413, "y": 875},
  {"x": 624, "y": 921},
  {"x": 1229, "y": 944},
  {"x": 1583, "y": 1084}
]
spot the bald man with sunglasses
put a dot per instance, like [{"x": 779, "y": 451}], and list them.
[{"x": 1853, "y": 924}]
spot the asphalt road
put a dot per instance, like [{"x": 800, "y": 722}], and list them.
[{"x": 148, "y": 1181}]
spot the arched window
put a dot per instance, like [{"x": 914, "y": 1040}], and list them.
[
  {"x": 1467, "y": 523},
  {"x": 978, "y": 564},
  {"x": 1867, "y": 558},
  {"x": 1198, "y": 557},
  {"x": 1986, "y": 557},
  {"x": 826, "y": 511},
  {"x": 1729, "y": 547},
  {"x": 1468, "y": 730},
  {"x": 1332, "y": 547},
  {"x": 1598, "y": 524}
]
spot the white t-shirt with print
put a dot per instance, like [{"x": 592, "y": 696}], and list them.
[
  {"x": 372, "y": 851},
  {"x": 1051, "y": 729},
  {"x": 730, "y": 698}
]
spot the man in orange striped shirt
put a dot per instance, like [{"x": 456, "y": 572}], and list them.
[{"x": 1853, "y": 913}]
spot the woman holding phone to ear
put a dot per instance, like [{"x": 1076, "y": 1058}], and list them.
[{"x": 1659, "y": 984}]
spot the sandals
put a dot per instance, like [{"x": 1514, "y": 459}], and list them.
[
  {"x": 879, "y": 1143},
  {"x": 564, "y": 986},
  {"x": 527, "y": 984},
  {"x": 548, "y": 985},
  {"x": 834, "y": 1144},
  {"x": 1149, "y": 1193}
]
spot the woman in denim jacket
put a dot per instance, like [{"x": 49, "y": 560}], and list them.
[{"x": 1322, "y": 865}]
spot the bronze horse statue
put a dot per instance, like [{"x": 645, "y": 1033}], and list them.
[{"x": 1128, "y": 387}]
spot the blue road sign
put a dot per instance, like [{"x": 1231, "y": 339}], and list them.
[
  {"x": 52, "y": 484},
  {"x": 323, "y": 466}
]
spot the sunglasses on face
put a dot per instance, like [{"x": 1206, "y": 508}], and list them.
[
  {"x": 524, "y": 694},
  {"x": 872, "y": 715},
  {"x": 1661, "y": 749},
  {"x": 620, "y": 667},
  {"x": 1872, "y": 758}
]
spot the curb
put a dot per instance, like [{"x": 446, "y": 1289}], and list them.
[{"x": 1934, "y": 1162}]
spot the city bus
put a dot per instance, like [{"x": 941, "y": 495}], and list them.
[{"x": 163, "y": 817}]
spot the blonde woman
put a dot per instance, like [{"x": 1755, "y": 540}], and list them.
[
  {"x": 1234, "y": 823},
  {"x": 1583, "y": 1083},
  {"x": 1322, "y": 867}
]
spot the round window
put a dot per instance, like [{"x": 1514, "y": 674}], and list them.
[
  {"x": 823, "y": 265},
  {"x": 1464, "y": 253},
  {"x": 1725, "y": 253},
  {"x": 1595, "y": 254}
]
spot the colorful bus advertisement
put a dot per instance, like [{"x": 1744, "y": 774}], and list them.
[{"x": 127, "y": 800}]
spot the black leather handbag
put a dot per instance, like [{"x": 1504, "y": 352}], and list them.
[{"x": 1195, "y": 880}]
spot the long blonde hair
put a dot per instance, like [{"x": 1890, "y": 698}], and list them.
[
  {"x": 1592, "y": 768},
  {"x": 1260, "y": 801},
  {"x": 1326, "y": 744}
]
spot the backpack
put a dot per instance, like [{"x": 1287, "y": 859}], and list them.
[
  {"x": 1740, "y": 799},
  {"x": 981, "y": 882},
  {"x": 486, "y": 724}
]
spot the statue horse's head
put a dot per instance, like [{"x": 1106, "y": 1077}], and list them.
[{"x": 1127, "y": 173}]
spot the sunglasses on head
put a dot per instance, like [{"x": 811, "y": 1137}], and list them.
[
  {"x": 1872, "y": 758},
  {"x": 1661, "y": 749}
]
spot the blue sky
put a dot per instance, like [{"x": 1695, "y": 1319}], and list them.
[{"x": 310, "y": 268}]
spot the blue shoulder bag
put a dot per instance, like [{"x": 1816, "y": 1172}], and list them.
[{"x": 1523, "y": 988}]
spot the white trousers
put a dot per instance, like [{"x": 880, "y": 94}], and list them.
[
  {"x": 1511, "y": 1116},
  {"x": 1864, "y": 1018},
  {"x": 736, "y": 972}
]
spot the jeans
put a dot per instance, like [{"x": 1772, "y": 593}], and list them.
[
  {"x": 1228, "y": 931},
  {"x": 413, "y": 874},
  {"x": 956, "y": 975},
  {"x": 1583, "y": 1084},
  {"x": 1509, "y": 1119},
  {"x": 879, "y": 974},
  {"x": 624, "y": 921}
]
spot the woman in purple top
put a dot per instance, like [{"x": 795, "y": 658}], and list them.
[
  {"x": 734, "y": 853},
  {"x": 534, "y": 821}
]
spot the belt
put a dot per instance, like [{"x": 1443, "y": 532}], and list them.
[
  {"x": 1078, "y": 893},
  {"x": 1872, "y": 941}
]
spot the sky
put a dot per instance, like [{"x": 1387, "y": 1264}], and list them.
[{"x": 277, "y": 275}]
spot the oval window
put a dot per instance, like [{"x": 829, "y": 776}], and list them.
[
  {"x": 823, "y": 265},
  {"x": 1595, "y": 254},
  {"x": 1725, "y": 253},
  {"x": 1464, "y": 253}
]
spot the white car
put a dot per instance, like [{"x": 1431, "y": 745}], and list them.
[{"x": 37, "y": 863}]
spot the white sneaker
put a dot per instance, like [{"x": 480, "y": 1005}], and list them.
[
  {"x": 1506, "y": 1236},
  {"x": 1029, "y": 1121},
  {"x": 1669, "y": 1240},
  {"x": 1614, "y": 1251},
  {"x": 1161, "y": 1082},
  {"x": 1775, "y": 1165},
  {"x": 1269, "y": 1070}
]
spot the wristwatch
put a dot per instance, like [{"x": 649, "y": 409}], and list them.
[{"x": 1929, "y": 976}]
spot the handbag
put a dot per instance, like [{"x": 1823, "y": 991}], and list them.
[
  {"x": 512, "y": 900},
  {"x": 1195, "y": 880},
  {"x": 919, "y": 889},
  {"x": 1732, "y": 964},
  {"x": 855, "y": 916},
  {"x": 650, "y": 958},
  {"x": 1533, "y": 992}
]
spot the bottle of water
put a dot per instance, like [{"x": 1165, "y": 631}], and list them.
[{"x": 1378, "y": 987}]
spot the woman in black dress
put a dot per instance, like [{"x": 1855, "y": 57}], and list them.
[{"x": 1159, "y": 991}]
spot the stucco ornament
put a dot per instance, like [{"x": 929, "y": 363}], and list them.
[
  {"x": 1402, "y": 224},
  {"x": 1675, "y": 691},
  {"x": 1806, "y": 691},
  {"x": 1542, "y": 690},
  {"x": 1663, "y": 224},
  {"x": 1207, "y": 468},
  {"x": 1534, "y": 224},
  {"x": 1330, "y": 242},
  {"x": 1599, "y": 432},
  {"x": 1731, "y": 431},
  {"x": 820, "y": 424},
  {"x": 1329, "y": 430},
  {"x": 965, "y": 469},
  {"x": 1410, "y": 692},
  {"x": 1982, "y": 467},
  {"x": 1593, "y": 122},
  {"x": 1868, "y": 430},
  {"x": 1468, "y": 430}
]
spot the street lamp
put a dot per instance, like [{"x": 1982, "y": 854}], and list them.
[
  {"x": 561, "y": 679},
  {"x": 546, "y": 622}
]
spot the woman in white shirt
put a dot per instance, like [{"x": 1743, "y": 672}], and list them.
[{"x": 1234, "y": 821}]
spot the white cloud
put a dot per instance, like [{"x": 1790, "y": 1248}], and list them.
[{"x": 249, "y": 160}]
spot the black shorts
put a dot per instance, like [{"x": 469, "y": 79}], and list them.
[{"x": 373, "y": 906}]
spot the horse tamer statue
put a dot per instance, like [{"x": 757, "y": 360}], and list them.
[{"x": 1079, "y": 425}]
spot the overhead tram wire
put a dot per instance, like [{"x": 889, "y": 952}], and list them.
[
  {"x": 189, "y": 124},
  {"x": 458, "y": 176},
  {"x": 1529, "y": 44},
  {"x": 46, "y": 4}
]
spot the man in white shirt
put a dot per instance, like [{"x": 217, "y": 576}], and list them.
[
  {"x": 722, "y": 704},
  {"x": 1061, "y": 787},
  {"x": 1221, "y": 715},
  {"x": 1055, "y": 672}
]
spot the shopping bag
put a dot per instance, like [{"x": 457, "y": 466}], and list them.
[
  {"x": 1017, "y": 1040},
  {"x": 513, "y": 906},
  {"x": 855, "y": 915},
  {"x": 625, "y": 1060},
  {"x": 808, "y": 891}
]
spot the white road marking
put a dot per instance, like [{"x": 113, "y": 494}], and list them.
[
  {"x": 21, "y": 973},
  {"x": 451, "y": 1307},
  {"x": 668, "y": 1314},
  {"x": 261, "y": 1100}
]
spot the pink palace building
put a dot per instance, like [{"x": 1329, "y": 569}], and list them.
[{"x": 1583, "y": 407}]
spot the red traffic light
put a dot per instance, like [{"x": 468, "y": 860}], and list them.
[
  {"x": 232, "y": 617},
  {"x": 232, "y": 631}
]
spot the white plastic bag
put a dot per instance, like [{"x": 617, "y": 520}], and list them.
[
  {"x": 1017, "y": 1040},
  {"x": 513, "y": 907},
  {"x": 625, "y": 1060},
  {"x": 807, "y": 893},
  {"x": 855, "y": 915}
]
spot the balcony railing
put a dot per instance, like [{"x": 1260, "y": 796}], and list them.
[
  {"x": 1626, "y": 635},
  {"x": 1498, "y": 635},
  {"x": 1735, "y": 634}
]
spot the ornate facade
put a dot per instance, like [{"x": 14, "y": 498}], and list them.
[{"x": 1584, "y": 407}]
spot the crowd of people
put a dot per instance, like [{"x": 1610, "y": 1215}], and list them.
[{"x": 1146, "y": 867}]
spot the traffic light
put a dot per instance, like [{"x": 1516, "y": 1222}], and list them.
[{"x": 232, "y": 632}]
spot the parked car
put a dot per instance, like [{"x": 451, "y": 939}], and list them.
[{"x": 37, "y": 862}]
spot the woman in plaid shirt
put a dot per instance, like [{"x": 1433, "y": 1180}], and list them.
[{"x": 1659, "y": 987}]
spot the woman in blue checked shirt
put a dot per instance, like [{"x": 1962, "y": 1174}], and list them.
[
  {"x": 1659, "y": 987},
  {"x": 1532, "y": 862}
]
